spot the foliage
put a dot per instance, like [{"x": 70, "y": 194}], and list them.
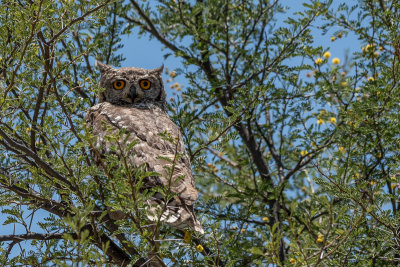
[{"x": 295, "y": 152}]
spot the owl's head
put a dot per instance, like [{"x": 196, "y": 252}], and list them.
[{"x": 130, "y": 85}]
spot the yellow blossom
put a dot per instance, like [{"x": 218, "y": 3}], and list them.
[
  {"x": 378, "y": 93},
  {"x": 172, "y": 74},
  {"x": 186, "y": 237},
  {"x": 265, "y": 219},
  {"x": 381, "y": 48},
  {"x": 304, "y": 189},
  {"x": 327, "y": 54},
  {"x": 333, "y": 38},
  {"x": 368, "y": 46},
  {"x": 28, "y": 130},
  {"x": 333, "y": 119},
  {"x": 313, "y": 143},
  {"x": 320, "y": 238},
  {"x": 371, "y": 79},
  {"x": 344, "y": 84},
  {"x": 372, "y": 183},
  {"x": 318, "y": 61},
  {"x": 376, "y": 54},
  {"x": 335, "y": 60},
  {"x": 292, "y": 261},
  {"x": 303, "y": 153},
  {"x": 243, "y": 230},
  {"x": 341, "y": 149},
  {"x": 363, "y": 49},
  {"x": 393, "y": 186},
  {"x": 320, "y": 121},
  {"x": 200, "y": 248},
  {"x": 340, "y": 35}
]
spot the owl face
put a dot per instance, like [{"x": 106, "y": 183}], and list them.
[{"x": 130, "y": 85}]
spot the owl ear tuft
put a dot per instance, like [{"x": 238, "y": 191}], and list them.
[
  {"x": 158, "y": 70},
  {"x": 103, "y": 67}
]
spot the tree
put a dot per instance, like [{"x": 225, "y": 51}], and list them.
[{"x": 295, "y": 152}]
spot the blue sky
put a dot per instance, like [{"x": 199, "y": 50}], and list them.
[{"x": 145, "y": 53}]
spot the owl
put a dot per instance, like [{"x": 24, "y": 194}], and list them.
[{"x": 134, "y": 99}]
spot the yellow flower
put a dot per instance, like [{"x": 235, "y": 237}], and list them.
[
  {"x": 200, "y": 248},
  {"x": 341, "y": 149},
  {"x": 320, "y": 121},
  {"x": 313, "y": 143},
  {"x": 363, "y": 50},
  {"x": 371, "y": 79},
  {"x": 381, "y": 48},
  {"x": 368, "y": 46},
  {"x": 340, "y": 35},
  {"x": 243, "y": 230},
  {"x": 318, "y": 61},
  {"x": 186, "y": 237},
  {"x": 292, "y": 261},
  {"x": 28, "y": 130},
  {"x": 393, "y": 186},
  {"x": 333, "y": 38},
  {"x": 327, "y": 55},
  {"x": 172, "y": 74},
  {"x": 333, "y": 120},
  {"x": 335, "y": 61},
  {"x": 304, "y": 189},
  {"x": 303, "y": 153},
  {"x": 378, "y": 93},
  {"x": 372, "y": 183},
  {"x": 344, "y": 84},
  {"x": 265, "y": 219},
  {"x": 376, "y": 54},
  {"x": 320, "y": 238}
]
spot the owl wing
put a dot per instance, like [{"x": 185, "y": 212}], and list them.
[{"x": 145, "y": 126}]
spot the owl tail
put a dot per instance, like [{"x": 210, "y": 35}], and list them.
[{"x": 177, "y": 214}]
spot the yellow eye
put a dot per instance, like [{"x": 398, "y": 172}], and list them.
[
  {"x": 145, "y": 84},
  {"x": 119, "y": 84}
]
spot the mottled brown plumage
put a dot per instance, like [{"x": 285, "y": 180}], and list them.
[{"x": 145, "y": 118}]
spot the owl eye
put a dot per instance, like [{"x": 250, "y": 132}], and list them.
[
  {"x": 119, "y": 84},
  {"x": 145, "y": 84}
]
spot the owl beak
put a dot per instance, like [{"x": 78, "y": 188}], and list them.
[{"x": 133, "y": 93}]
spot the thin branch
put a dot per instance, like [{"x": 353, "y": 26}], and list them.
[{"x": 72, "y": 22}]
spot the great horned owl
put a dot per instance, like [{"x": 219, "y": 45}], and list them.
[{"x": 135, "y": 99}]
